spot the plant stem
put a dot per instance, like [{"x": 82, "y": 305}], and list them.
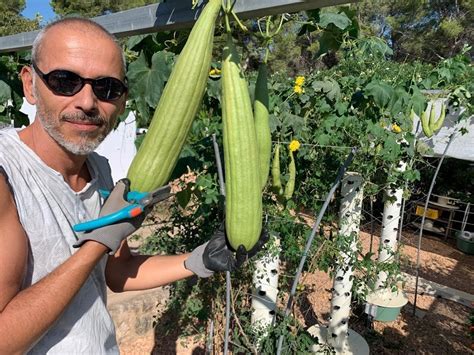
[{"x": 237, "y": 321}]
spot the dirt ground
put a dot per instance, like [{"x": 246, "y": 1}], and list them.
[{"x": 440, "y": 326}]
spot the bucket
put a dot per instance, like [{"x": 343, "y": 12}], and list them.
[
  {"x": 385, "y": 305},
  {"x": 387, "y": 314},
  {"x": 465, "y": 242},
  {"x": 447, "y": 201}
]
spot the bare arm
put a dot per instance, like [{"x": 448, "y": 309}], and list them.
[
  {"x": 127, "y": 272},
  {"x": 27, "y": 314}
]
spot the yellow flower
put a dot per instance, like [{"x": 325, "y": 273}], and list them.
[
  {"x": 298, "y": 89},
  {"x": 396, "y": 128},
  {"x": 299, "y": 81},
  {"x": 215, "y": 71},
  {"x": 294, "y": 145}
]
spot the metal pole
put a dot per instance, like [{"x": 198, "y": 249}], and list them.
[
  {"x": 433, "y": 181},
  {"x": 228, "y": 284},
  {"x": 209, "y": 347},
  {"x": 220, "y": 173},
  {"x": 371, "y": 224}
]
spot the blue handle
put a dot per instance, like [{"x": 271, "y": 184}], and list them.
[
  {"x": 132, "y": 196},
  {"x": 126, "y": 212},
  {"x": 135, "y": 196}
]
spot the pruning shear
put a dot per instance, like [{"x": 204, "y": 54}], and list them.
[{"x": 139, "y": 201}]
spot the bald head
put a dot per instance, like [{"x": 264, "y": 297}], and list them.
[
  {"x": 79, "y": 52},
  {"x": 77, "y": 24}
]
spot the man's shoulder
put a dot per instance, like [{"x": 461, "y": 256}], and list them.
[
  {"x": 101, "y": 166},
  {"x": 8, "y": 132},
  {"x": 7, "y": 138},
  {"x": 98, "y": 158}
]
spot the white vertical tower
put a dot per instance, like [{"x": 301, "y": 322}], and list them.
[
  {"x": 349, "y": 219},
  {"x": 265, "y": 291},
  {"x": 390, "y": 227}
]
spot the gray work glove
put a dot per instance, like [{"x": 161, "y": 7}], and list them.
[
  {"x": 112, "y": 235},
  {"x": 217, "y": 255}
]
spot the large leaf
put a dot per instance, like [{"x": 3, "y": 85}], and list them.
[
  {"x": 380, "y": 91},
  {"x": 418, "y": 101},
  {"x": 391, "y": 149},
  {"x": 329, "y": 87},
  {"x": 152, "y": 43},
  {"x": 373, "y": 46},
  {"x": 340, "y": 20},
  {"x": 310, "y": 25},
  {"x": 134, "y": 40},
  {"x": 213, "y": 89},
  {"x": 330, "y": 40},
  {"x": 147, "y": 81},
  {"x": 5, "y": 92},
  {"x": 399, "y": 102}
]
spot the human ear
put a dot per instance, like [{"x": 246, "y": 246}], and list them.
[
  {"x": 26, "y": 75},
  {"x": 124, "y": 102}
]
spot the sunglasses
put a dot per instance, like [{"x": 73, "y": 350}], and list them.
[{"x": 66, "y": 83}]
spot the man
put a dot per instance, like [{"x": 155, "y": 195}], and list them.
[{"x": 53, "y": 281}]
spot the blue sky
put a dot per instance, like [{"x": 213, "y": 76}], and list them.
[{"x": 42, "y": 6}]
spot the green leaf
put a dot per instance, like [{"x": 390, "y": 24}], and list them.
[
  {"x": 214, "y": 88},
  {"x": 330, "y": 40},
  {"x": 5, "y": 92},
  {"x": 147, "y": 82},
  {"x": 341, "y": 107},
  {"x": 323, "y": 139},
  {"x": 304, "y": 98},
  {"x": 183, "y": 197},
  {"x": 329, "y": 87},
  {"x": 399, "y": 102},
  {"x": 144, "y": 115},
  {"x": 339, "y": 20},
  {"x": 380, "y": 91},
  {"x": 292, "y": 122},
  {"x": 135, "y": 40},
  {"x": 391, "y": 149},
  {"x": 4, "y": 120}
]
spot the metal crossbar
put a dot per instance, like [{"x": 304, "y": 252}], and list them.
[{"x": 173, "y": 15}]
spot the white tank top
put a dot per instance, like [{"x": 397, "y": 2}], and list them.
[{"x": 47, "y": 209}]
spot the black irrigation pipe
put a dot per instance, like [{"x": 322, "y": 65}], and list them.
[
  {"x": 228, "y": 284},
  {"x": 433, "y": 181},
  {"x": 315, "y": 229}
]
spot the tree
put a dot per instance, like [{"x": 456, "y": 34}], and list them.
[
  {"x": 11, "y": 21},
  {"x": 427, "y": 30},
  {"x": 11, "y": 93},
  {"x": 95, "y": 7}
]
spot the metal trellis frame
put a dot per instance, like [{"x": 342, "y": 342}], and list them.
[{"x": 173, "y": 15}]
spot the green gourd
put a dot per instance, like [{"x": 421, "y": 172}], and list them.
[
  {"x": 425, "y": 124},
  {"x": 242, "y": 177},
  {"x": 290, "y": 185},
  {"x": 262, "y": 126},
  {"x": 276, "y": 172},
  {"x": 438, "y": 123},
  {"x": 178, "y": 105}
]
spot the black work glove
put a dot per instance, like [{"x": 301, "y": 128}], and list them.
[{"x": 217, "y": 255}]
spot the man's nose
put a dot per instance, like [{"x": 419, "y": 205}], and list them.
[{"x": 85, "y": 99}]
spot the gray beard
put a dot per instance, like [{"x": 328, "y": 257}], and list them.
[{"x": 86, "y": 144}]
